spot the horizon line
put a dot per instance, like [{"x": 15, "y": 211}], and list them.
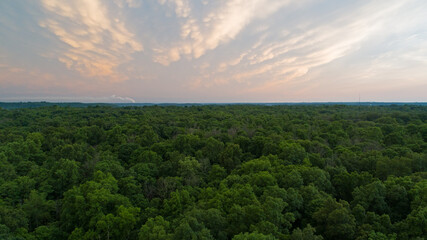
[{"x": 284, "y": 102}]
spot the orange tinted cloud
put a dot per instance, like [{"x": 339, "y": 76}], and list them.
[{"x": 97, "y": 42}]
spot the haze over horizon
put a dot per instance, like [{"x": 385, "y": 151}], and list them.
[{"x": 213, "y": 51}]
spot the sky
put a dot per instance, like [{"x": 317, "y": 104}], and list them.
[{"x": 213, "y": 50}]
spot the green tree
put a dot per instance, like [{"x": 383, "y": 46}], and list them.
[
  {"x": 371, "y": 197},
  {"x": 253, "y": 236},
  {"x": 190, "y": 228},
  {"x": 39, "y": 211},
  {"x": 308, "y": 233},
  {"x": 335, "y": 220},
  {"x": 64, "y": 175},
  {"x": 230, "y": 157},
  {"x": 155, "y": 229},
  {"x": 84, "y": 205},
  {"x": 292, "y": 152},
  {"x": 119, "y": 225},
  {"x": 189, "y": 170}
]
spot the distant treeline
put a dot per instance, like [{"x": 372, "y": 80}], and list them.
[{"x": 14, "y": 105}]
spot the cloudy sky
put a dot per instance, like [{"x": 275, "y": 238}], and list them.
[{"x": 213, "y": 50}]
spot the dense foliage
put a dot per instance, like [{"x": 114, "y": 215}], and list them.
[{"x": 214, "y": 172}]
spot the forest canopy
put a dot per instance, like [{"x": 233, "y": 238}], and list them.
[{"x": 214, "y": 172}]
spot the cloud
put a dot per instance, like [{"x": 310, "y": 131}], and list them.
[
  {"x": 128, "y": 3},
  {"x": 96, "y": 41},
  {"x": 182, "y": 7},
  {"x": 56, "y": 98},
  {"x": 126, "y": 99},
  {"x": 219, "y": 26},
  {"x": 17, "y": 77},
  {"x": 133, "y": 3},
  {"x": 235, "y": 49},
  {"x": 272, "y": 62}
]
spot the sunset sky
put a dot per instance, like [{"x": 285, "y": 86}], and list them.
[{"x": 213, "y": 50}]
